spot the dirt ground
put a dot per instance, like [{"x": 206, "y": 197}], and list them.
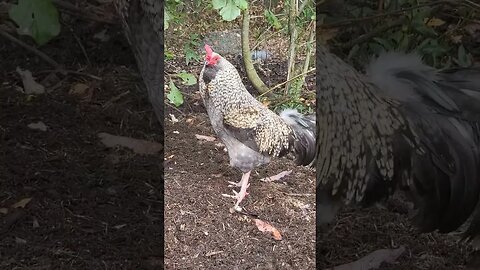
[
  {"x": 200, "y": 231},
  {"x": 91, "y": 207}
]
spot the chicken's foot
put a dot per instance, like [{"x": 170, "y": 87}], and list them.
[{"x": 243, "y": 190}]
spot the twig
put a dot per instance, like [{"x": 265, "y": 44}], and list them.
[
  {"x": 81, "y": 46},
  {"x": 171, "y": 106},
  {"x": 280, "y": 84},
  {"x": 72, "y": 72},
  {"x": 40, "y": 54},
  {"x": 472, "y": 3},
  {"x": 386, "y": 14},
  {"x": 112, "y": 100}
]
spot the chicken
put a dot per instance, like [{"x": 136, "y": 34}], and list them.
[
  {"x": 404, "y": 126},
  {"x": 251, "y": 132}
]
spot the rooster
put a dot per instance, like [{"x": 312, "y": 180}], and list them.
[
  {"x": 251, "y": 132},
  {"x": 405, "y": 125}
]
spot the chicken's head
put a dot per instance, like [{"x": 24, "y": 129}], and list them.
[{"x": 211, "y": 58}]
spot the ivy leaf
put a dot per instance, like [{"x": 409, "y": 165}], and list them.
[
  {"x": 187, "y": 78},
  {"x": 190, "y": 55},
  {"x": 36, "y": 18},
  {"x": 230, "y": 11},
  {"x": 241, "y": 4},
  {"x": 218, "y": 4},
  {"x": 175, "y": 96}
]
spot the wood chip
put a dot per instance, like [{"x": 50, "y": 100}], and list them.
[{"x": 205, "y": 138}]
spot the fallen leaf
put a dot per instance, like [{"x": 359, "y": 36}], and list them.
[
  {"x": 434, "y": 22},
  {"x": 19, "y": 240},
  {"x": 38, "y": 126},
  {"x": 136, "y": 145},
  {"x": 373, "y": 260},
  {"x": 79, "y": 89},
  {"x": 327, "y": 34},
  {"x": 3, "y": 211},
  {"x": 22, "y": 203},
  {"x": 264, "y": 226},
  {"x": 276, "y": 177},
  {"x": 205, "y": 138},
  {"x": 30, "y": 86},
  {"x": 102, "y": 36}
]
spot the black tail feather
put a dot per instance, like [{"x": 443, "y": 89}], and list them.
[{"x": 304, "y": 127}]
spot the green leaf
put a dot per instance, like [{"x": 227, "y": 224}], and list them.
[
  {"x": 272, "y": 19},
  {"x": 241, "y": 4},
  {"x": 187, "y": 78},
  {"x": 168, "y": 55},
  {"x": 218, "y": 4},
  {"x": 230, "y": 11},
  {"x": 190, "y": 55},
  {"x": 36, "y": 18},
  {"x": 175, "y": 96}
]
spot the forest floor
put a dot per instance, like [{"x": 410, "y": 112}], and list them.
[{"x": 66, "y": 200}]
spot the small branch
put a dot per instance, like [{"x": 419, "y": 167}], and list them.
[
  {"x": 40, "y": 54},
  {"x": 287, "y": 81},
  {"x": 310, "y": 46},
  {"x": 247, "y": 57},
  {"x": 386, "y": 14}
]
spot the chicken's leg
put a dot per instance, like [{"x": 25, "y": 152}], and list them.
[{"x": 243, "y": 189}]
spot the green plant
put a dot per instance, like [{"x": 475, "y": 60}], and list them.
[
  {"x": 189, "y": 49},
  {"x": 229, "y": 9},
  {"x": 36, "y": 18}
]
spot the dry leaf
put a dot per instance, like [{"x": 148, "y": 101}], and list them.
[
  {"x": 22, "y": 203},
  {"x": 30, "y": 86},
  {"x": 327, "y": 34},
  {"x": 79, "y": 89},
  {"x": 264, "y": 226},
  {"x": 3, "y": 211},
  {"x": 434, "y": 22},
  {"x": 276, "y": 177},
  {"x": 39, "y": 126},
  {"x": 205, "y": 138},
  {"x": 136, "y": 145},
  {"x": 19, "y": 240}
]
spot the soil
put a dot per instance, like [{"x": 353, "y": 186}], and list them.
[{"x": 91, "y": 207}]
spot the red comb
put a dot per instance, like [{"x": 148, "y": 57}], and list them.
[{"x": 208, "y": 50}]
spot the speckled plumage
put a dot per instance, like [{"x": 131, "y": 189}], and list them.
[
  {"x": 242, "y": 121},
  {"x": 404, "y": 126}
]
